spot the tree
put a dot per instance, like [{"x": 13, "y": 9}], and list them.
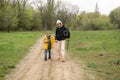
[
  {"x": 19, "y": 15},
  {"x": 21, "y": 7},
  {"x": 8, "y": 21},
  {"x": 46, "y": 12},
  {"x": 93, "y": 21},
  {"x": 49, "y": 14},
  {"x": 37, "y": 22},
  {"x": 83, "y": 21},
  {"x": 101, "y": 23},
  {"x": 41, "y": 6},
  {"x": 115, "y": 17},
  {"x": 66, "y": 13},
  {"x": 25, "y": 21}
]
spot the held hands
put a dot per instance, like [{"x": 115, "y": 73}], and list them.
[{"x": 56, "y": 41}]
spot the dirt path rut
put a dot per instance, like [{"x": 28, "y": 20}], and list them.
[{"x": 33, "y": 67}]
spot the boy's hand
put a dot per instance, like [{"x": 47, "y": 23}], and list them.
[{"x": 56, "y": 41}]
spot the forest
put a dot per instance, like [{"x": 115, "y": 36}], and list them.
[{"x": 37, "y": 15}]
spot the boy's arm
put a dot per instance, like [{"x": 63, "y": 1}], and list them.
[
  {"x": 45, "y": 40},
  {"x": 52, "y": 39}
]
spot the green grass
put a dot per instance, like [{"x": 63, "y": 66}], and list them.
[
  {"x": 100, "y": 51},
  {"x": 13, "y": 47}
]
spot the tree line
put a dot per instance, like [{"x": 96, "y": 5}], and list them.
[{"x": 21, "y": 15}]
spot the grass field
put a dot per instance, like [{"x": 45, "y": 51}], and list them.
[
  {"x": 13, "y": 47},
  {"x": 99, "y": 50}
]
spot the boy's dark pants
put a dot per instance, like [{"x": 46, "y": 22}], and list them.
[{"x": 47, "y": 53}]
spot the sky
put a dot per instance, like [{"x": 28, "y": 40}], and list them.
[{"x": 105, "y": 6}]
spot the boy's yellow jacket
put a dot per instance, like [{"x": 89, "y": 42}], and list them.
[{"x": 52, "y": 39}]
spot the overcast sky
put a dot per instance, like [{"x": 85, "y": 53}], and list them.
[{"x": 105, "y": 6}]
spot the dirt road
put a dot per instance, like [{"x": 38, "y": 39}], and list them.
[{"x": 33, "y": 67}]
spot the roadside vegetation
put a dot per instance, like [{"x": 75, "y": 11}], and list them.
[
  {"x": 99, "y": 50},
  {"x": 13, "y": 47}
]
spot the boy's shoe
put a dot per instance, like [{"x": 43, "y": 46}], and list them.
[
  {"x": 45, "y": 59},
  {"x": 49, "y": 58},
  {"x": 62, "y": 59},
  {"x": 59, "y": 59}
]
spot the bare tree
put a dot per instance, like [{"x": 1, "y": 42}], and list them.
[
  {"x": 65, "y": 10},
  {"x": 46, "y": 11}
]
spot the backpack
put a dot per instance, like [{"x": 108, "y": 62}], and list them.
[{"x": 66, "y": 33}]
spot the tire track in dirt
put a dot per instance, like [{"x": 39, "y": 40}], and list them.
[{"x": 33, "y": 67}]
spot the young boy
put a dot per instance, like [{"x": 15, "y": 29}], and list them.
[{"x": 48, "y": 45}]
